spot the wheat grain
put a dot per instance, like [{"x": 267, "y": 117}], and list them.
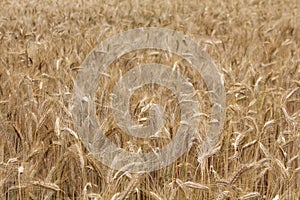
[{"x": 254, "y": 43}]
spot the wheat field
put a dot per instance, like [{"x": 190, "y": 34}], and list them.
[{"x": 256, "y": 45}]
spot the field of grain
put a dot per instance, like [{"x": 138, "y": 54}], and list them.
[{"x": 255, "y": 43}]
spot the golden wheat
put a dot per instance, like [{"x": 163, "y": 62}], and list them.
[{"x": 255, "y": 43}]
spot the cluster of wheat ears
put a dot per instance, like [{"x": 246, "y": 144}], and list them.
[{"x": 255, "y": 43}]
